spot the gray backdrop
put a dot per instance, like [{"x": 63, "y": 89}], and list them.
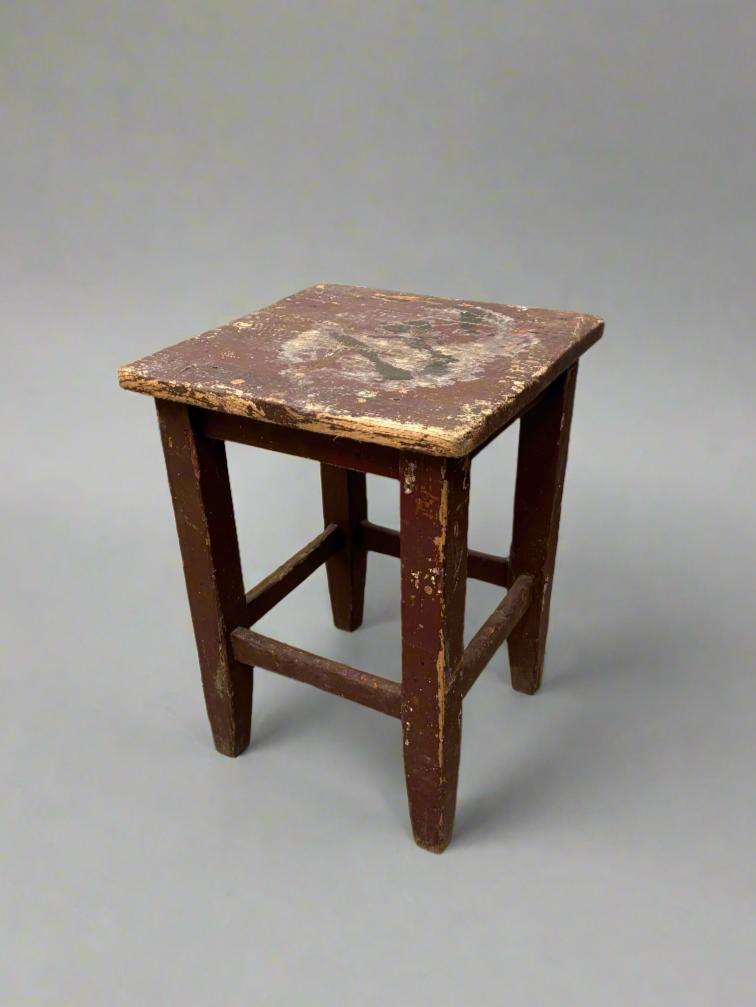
[{"x": 168, "y": 166}]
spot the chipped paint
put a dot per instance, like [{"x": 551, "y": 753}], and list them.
[
  {"x": 408, "y": 482},
  {"x": 425, "y": 374}
]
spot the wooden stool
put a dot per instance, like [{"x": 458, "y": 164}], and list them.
[{"x": 370, "y": 381}]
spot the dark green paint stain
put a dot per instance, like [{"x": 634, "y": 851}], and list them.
[
  {"x": 385, "y": 369},
  {"x": 470, "y": 318},
  {"x": 416, "y": 334},
  {"x": 403, "y": 328}
]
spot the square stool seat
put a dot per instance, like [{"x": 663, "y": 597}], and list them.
[
  {"x": 399, "y": 385},
  {"x": 426, "y": 374}
]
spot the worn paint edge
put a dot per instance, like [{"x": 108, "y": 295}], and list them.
[{"x": 390, "y": 433}]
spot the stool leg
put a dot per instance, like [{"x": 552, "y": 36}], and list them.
[
  {"x": 541, "y": 462},
  {"x": 198, "y": 478},
  {"x": 434, "y": 504},
  {"x": 345, "y": 504}
]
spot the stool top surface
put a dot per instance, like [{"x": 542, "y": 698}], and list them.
[{"x": 425, "y": 374}]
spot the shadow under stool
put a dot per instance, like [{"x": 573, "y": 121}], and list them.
[{"x": 392, "y": 384}]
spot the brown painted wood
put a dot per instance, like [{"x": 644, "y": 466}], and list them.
[
  {"x": 274, "y": 588},
  {"x": 480, "y": 565},
  {"x": 198, "y": 479},
  {"x": 344, "y": 495},
  {"x": 378, "y": 538},
  {"x": 494, "y": 632},
  {"x": 336, "y": 451},
  {"x": 340, "y": 679},
  {"x": 398, "y": 385},
  {"x": 541, "y": 464},
  {"x": 418, "y": 373},
  {"x": 488, "y": 568},
  {"x": 434, "y": 507},
  {"x": 523, "y": 403}
]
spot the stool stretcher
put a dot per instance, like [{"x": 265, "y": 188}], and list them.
[
  {"x": 379, "y": 694},
  {"x": 494, "y": 632},
  {"x": 275, "y": 587}
]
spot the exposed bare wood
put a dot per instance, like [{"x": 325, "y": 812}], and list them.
[
  {"x": 274, "y": 588},
  {"x": 380, "y": 694},
  {"x": 480, "y": 565},
  {"x": 433, "y": 509},
  {"x": 494, "y": 632},
  {"x": 500, "y": 430},
  {"x": 427, "y": 374}
]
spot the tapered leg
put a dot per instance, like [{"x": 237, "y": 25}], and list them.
[
  {"x": 434, "y": 504},
  {"x": 541, "y": 463},
  {"x": 198, "y": 479},
  {"x": 345, "y": 504}
]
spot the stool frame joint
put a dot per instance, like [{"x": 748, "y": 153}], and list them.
[
  {"x": 481, "y": 566},
  {"x": 493, "y": 633}
]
